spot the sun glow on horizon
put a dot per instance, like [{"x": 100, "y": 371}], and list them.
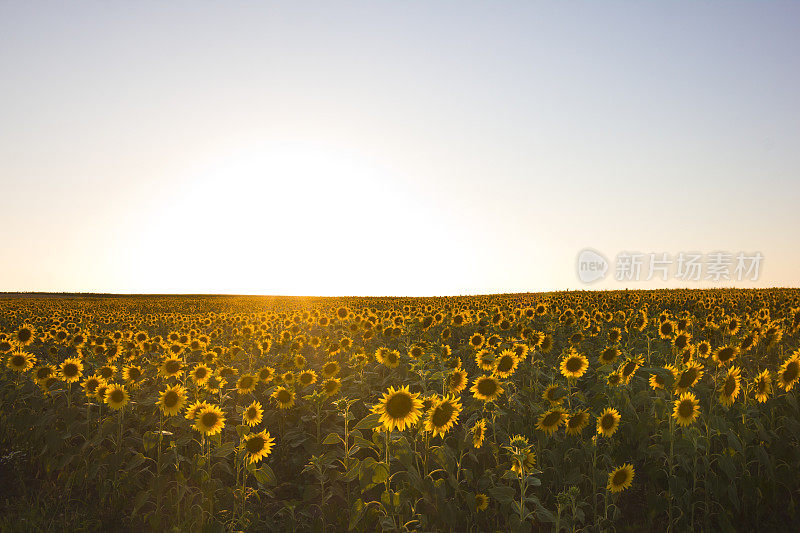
[{"x": 292, "y": 218}]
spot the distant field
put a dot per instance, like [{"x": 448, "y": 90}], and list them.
[{"x": 631, "y": 410}]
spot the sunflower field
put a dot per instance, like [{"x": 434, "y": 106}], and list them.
[{"x": 671, "y": 410}]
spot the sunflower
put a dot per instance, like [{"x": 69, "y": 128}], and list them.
[
  {"x": 210, "y": 420},
  {"x": 398, "y": 408},
  {"x": 246, "y": 384},
  {"x": 171, "y": 367},
  {"x": 331, "y": 386},
  {"x": 478, "y": 433},
  {"x": 688, "y": 377},
  {"x": 299, "y": 362},
  {"x": 253, "y": 414},
  {"x": 132, "y": 373},
  {"x": 415, "y": 351},
  {"x": 71, "y": 369},
  {"x": 388, "y": 358},
  {"x": 485, "y": 360},
  {"x": 549, "y": 421},
  {"x": 457, "y": 381},
  {"x": 257, "y": 446},
  {"x": 100, "y": 391},
  {"x": 116, "y": 397},
  {"x": 172, "y": 399},
  {"x": 609, "y": 355},
  {"x": 554, "y": 394},
  {"x": 486, "y": 388},
  {"x": 725, "y": 354},
  {"x": 520, "y": 351},
  {"x": 330, "y": 369},
  {"x": 524, "y": 459},
  {"x": 573, "y": 365},
  {"x": 686, "y": 409},
  {"x": 42, "y": 373},
  {"x": 196, "y": 407},
  {"x": 547, "y": 343},
  {"x": 762, "y": 386},
  {"x": 200, "y": 374},
  {"x": 307, "y": 377},
  {"x": 614, "y": 379},
  {"x": 481, "y": 502},
  {"x": 288, "y": 378},
  {"x": 24, "y": 335},
  {"x": 620, "y": 478},
  {"x": 608, "y": 422},
  {"x": 681, "y": 340},
  {"x": 284, "y": 397},
  {"x": 731, "y": 386},
  {"x": 477, "y": 341},
  {"x": 629, "y": 368},
  {"x": 505, "y": 364},
  {"x": 443, "y": 415},
  {"x": 90, "y": 385},
  {"x": 789, "y": 372},
  {"x": 527, "y": 463},
  {"x": 575, "y": 422},
  {"x": 666, "y": 329},
  {"x": 107, "y": 372},
  {"x": 266, "y": 374},
  {"x": 20, "y": 361},
  {"x": 657, "y": 381}
]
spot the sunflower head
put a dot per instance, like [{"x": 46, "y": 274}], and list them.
[
  {"x": 478, "y": 433},
  {"x": 443, "y": 415},
  {"x": 331, "y": 386},
  {"x": 398, "y": 408},
  {"x": 620, "y": 478},
  {"x": 550, "y": 420},
  {"x": 686, "y": 409},
  {"x": 505, "y": 364},
  {"x": 20, "y": 361},
  {"x": 116, "y": 397},
  {"x": 307, "y": 377},
  {"x": 487, "y": 388},
  {"x": 762, "y": 386},
  {"x": 731, "y": 386},
  {"x": 481, "y": 502},
  {"x": 576, "y": 422},
  {"x": 257, "y": 446},
  {"x": 71, "y": 370},
  {"x": 573, "y": 365},
  {"x": 209, "y": 420},
  {"x": 253, "y": 414},
  {"x": 789, "y": 372},
  {"x": 608, "y": 422},
  {"x": 172, "y": 400},
  {"x": 284, "y": 397}
]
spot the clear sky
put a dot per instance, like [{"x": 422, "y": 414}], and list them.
[{"x": 391, "y": 148}]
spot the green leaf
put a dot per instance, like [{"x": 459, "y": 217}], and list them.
[
  {"x": 149, "y": 440},
  {"x": 332, "y": 438},
  {"x": 355, "y": 514},
  {"x": 503, "y": 494},
  {"x": 265, "y": 475},
  {"x": 242, "y": 430},
  {"x": 380, "y": 473},
  {"x": 370, "y": 421},
  {"x": 224, "y": 450}
]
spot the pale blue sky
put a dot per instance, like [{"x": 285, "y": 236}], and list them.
[{"x": 379, "y": 148}]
